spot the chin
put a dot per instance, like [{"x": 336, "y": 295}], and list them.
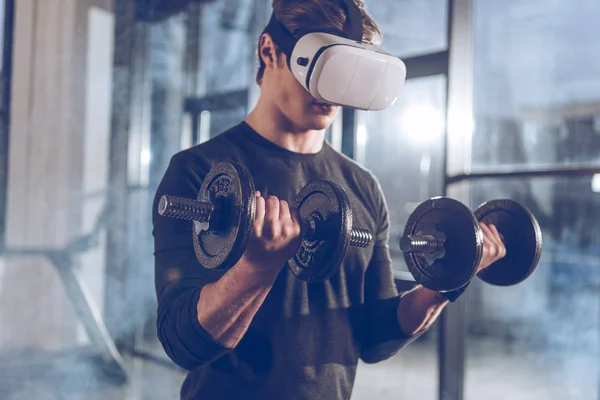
[{"x": 320, "y": 122}]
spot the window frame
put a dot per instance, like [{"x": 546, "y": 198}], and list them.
[{"x": 5, "y": 92}]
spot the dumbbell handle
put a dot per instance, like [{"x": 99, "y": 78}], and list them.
[
  {"x": 424, "y": 244},
  {"x": 421, "y": 243},
  {"x": 358, "y": 237},
  {"x": 200, "y": 211},
  {"x": 186, "y": 209}
]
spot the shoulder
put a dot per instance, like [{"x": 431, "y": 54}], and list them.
[
  {"x": 187, "y": 168},
  {"x": 363, "y": 177},
  {"x": 199, "y": 158}
]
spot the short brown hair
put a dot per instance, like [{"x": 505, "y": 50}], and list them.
[{"x": 302, "y": 15}]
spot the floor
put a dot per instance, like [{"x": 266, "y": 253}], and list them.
[{"x": 495, "y": 371}]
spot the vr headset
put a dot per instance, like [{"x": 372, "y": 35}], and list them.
[{"x": 338, "y": 67}]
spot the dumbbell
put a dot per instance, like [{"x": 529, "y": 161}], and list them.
[
  {"x": 223, "y": 215},
  {"x": 443, "y": 243}
]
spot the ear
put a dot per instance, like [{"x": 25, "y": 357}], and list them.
[{"x": 267, "y": 51}]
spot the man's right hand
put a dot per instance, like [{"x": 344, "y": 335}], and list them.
[
  {"x": 276, "y": 235},
  {"x": 226, "y": 307}
]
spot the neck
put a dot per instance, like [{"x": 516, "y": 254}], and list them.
[{"x": 270, "y": 123}]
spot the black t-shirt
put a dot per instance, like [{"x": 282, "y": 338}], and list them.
[{"x": 306, "y": 339}]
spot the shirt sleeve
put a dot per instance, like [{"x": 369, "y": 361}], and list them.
[
  {"x": 382, "y": 337},
  {"x": 179, "y": 278}
]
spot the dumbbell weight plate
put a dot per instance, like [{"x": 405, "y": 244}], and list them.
[
  {"x": 463, "y": 244},
  {"x": 318, "y": 259},
  {"x": 522, "y": 238},
  {"x": 228, "y": 185}
]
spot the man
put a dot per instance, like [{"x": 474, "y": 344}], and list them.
[{"x": 256, "y": 331}]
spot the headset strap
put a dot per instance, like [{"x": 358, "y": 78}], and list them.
[
  {"x": 354, "y": 20},
  {"x": 353, "y": 28},
  {"x": 281, "y": 35}
]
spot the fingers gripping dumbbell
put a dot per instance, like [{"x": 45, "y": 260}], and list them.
[
  {"x": 223, "y": 215},
  {"x": 443, "y": 243},
  {"x": 522, "y": 236}
]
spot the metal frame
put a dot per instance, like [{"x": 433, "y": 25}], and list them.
[
  {"x": 457, "y": 159},
  {"x": 522, "y": 172},
  {"x": 427, "y": 65},
  {"x": 195, "y": 106},
  {"x": 5, "y": 89},
  {"x": 129, "y": 38}
]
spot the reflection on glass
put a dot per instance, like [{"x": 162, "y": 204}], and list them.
[
  {"x": 411, "y": 27},
  {"x": 403, "y": 147},
  {"x": 539, "y": 339},
  {"x": 537, "y": 83}
]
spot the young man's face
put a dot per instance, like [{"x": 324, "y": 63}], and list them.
[{"x": 293, "y": 101}]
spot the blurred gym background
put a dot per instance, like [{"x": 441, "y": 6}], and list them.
[{"x": 502, "y": 100}]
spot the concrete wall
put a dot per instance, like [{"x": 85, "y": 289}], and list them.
[{"x": 60, "y": 125}]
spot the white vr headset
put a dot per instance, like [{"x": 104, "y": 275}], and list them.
[{"x": 338, "y": 67}]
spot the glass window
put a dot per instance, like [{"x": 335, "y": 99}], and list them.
[
  {"x": 411, "y": 27},
  {"x": 3, "y": 127},
  {"x": 537, "y": 83},
  {"x": 403, "y": 146},
  {"x": 539, "y": 339},
  {"x": 228, "y": 46},
  {"x": 166, "y": 60}
]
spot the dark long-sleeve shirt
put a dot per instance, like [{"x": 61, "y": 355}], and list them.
[{"x": 306, "y": 339}]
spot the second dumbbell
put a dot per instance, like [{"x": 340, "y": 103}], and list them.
[{"x": 443, "y": 243}]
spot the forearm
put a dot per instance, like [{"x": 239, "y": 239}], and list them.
[
  {"x": 418, "y": 310},
  {"x": 226, "y": 308}
]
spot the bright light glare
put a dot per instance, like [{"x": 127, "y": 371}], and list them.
[
  {"x": 361, "y": 135},
  {"x": 423, "y": 124},
  {"x": 145, "y": 157},
  {"x": 460, "y": 126},
  {"x": 596, "y": 183}
]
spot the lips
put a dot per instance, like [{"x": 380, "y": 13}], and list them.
[{"x": 323, "y": 108}]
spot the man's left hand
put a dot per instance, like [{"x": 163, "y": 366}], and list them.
[{"x": 493, "y": 246}]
